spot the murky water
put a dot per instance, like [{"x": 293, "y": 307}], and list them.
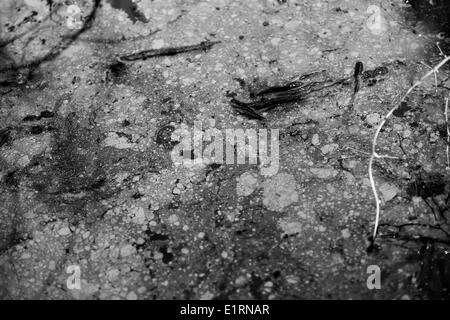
[{"x": 129, "y": 8}]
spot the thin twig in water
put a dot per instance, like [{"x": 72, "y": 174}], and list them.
[
  {"x": 170, "y": 51},
  {"x": 297, "y": 90},
  {"x": 375, "y": 155},
  {"x": 118, "y": 40}
]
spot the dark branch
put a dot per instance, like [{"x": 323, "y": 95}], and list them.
[{"x": 170, "y": 51}]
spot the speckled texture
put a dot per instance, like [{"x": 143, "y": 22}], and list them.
[{"x": 94, "y": 184}]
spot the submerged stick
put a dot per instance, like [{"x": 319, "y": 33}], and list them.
[
  {"x": 359, "y": 67},
  {"x": 357, "y": 74},
  {"x": 169, "y": 51},
  {"x": 302, "y": 88},
  {"x": 272, "y": 97},
  {"x": 245, "y": 109}
]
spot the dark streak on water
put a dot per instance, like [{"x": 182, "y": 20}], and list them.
[{"x": 130, "y": 8}]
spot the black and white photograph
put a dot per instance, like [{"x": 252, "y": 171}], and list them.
[{"x": 225, "y": 154}]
